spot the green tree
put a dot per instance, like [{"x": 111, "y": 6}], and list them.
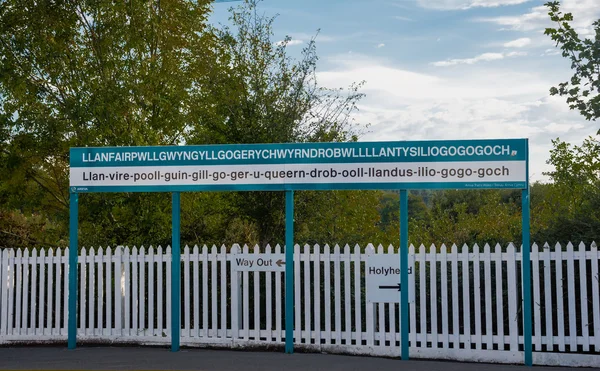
[
  {"x": 338, "y": 217},
  {"x": 262, "y": 95},
  {"x": 569, "y": 209},
  {"x": 582, "y": 91},
  {"x": 88, "y": 73},
  {"x": 93, "y": 73},
  {"x": 574, "y": 196},
  {"x": 470, "y": 216}
]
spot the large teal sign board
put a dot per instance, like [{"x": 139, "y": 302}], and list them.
[
  {"x": 376, "y": 165},
  {"x": 405, "y": 165}
]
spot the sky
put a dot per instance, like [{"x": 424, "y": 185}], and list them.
[{"x": 443, "y": 69}]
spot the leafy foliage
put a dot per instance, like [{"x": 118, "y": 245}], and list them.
[
  {"x": 583, "y": 90},
  {"x": 262, "y": 95},
  {"x": 574, "y": 197},
  {"x": 88, "y": 73}
]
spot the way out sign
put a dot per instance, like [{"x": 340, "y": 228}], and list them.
[
  {"x": 259, "y": 263},
  {"x": 383, "y": 278}
]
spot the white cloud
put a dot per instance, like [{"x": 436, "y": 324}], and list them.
[
  {"x": 536, "y": 19},
  {"x": 414, "y": 86},
  {"x": 485, "y": 57},
  {"x": 560, "y": 129},
  {"x": 380, "y": 46},
  {"x": 487, "y": 102},
  {"x": 585, "y": 12},
  {"x": 401, "y": 18},
  {"x": 518, "y": 43},
  {"x": 466, "y": 4},
  {"x": 551, "y": 52},
  {"x": 320, "y": 38},
  {"x": 290, "y": 43}
]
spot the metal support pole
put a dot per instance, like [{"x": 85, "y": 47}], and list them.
[
  {"x": 73, "y": 254},
  {"x": 526, "y": 269},
  {"x": 289, "y": 271},
  {"x": 404, "y": 274},
  {"x": 175, "y": 274}
]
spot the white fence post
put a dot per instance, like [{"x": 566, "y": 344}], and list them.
[
  {"x": 370, "y": 322},
  {"x": 109, "y": 293},
  {"x": 160, "y": 302},
  {"x": 537, "y": 313},
  {"x": 185, "y": 320},
  {"x": 19, "y": 292},
  {"x": 235, "y": 309},
  {"x": 596, "y": 293},
  {"x": 382, "y": 333},
  {"x": 548, "y": 297},
  {"x": 100, "y": 294},
  {"x": 151, "y": 284},
  {"x": 119, "y": 291},
  {"x": 560, "y": 289},
  {"x": 25, "y": 263},
  {"x": 422, "y": 335},
  {"x": 91, "y": 291},
  {"x": 256, "y": 287},
  {"x": 246, "y": 300},
  {"x": 583, "y": 299},
  {"x": 278, "y": 301},
  {"x": 337, "y": 276},
  {"x": 4, "y": 282},
  {"x": 454, "y": 290},
  {"x": 433, "y": 296},
  {"x": 297, "y": 292},
  {"x": 59, "y": 295},
  {"x": 307, "y": 294},
  {"x": 466, "y": 310},
  {"x": 223, "y": 287},
  {"x": 347, "y": 301},
  {"x": 444, "y": 307},
  {"x": 141, "y": 261},
  {"x": 499, "y": 262},
  {"x": 11, "y": 292},
  {"x": 357, "y": 295},
  {"x": 571, "y": 298},
  {"x": 197, "y": 289},
  {"x": 489, "y": 323},
  {"x": 512, "y": 290},
  {"x": 50, "y": 291},
  {"x": 477, "y": 298}
]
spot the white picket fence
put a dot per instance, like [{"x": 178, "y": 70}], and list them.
[{"x": 465, "y": 303}]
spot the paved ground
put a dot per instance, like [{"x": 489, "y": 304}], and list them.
[{"x": 133, "y": 358}]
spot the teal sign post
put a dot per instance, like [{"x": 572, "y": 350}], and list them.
[{"x": 405, "y": 165}]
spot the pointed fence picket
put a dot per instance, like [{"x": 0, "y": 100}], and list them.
[
  {"x": 489, "y": 284},
  {"x": 595, "y": 278},
  {"x": 464, "y": 302},
  {"x": 584, "y": 300}
]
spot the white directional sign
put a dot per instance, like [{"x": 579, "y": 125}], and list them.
[
  {"x": 383, "y": 278},
  {"x": 259, "y": 263}
]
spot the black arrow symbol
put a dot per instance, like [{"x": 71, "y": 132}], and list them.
[
  {"x": 391, "y": 287},
  {"x": 280, "y": 263}
]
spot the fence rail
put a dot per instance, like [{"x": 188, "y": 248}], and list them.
[{"x": 465, "y": 303}]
